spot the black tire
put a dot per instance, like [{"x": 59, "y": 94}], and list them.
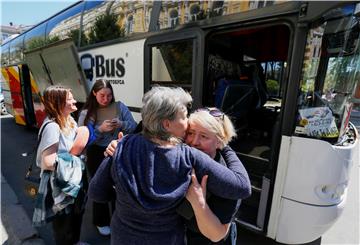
[{"x": 3, "y": 109}]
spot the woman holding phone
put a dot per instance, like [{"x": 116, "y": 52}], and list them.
[{"x": 105, "y": 119}]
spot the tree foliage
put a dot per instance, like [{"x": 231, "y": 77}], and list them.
[
  {"x": 41, "y": 42},
  {"x": 74, "y": 34},
  {"x": 105, "y": 28}
]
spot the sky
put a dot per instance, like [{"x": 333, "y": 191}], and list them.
[{"x": 28, "y": 12}]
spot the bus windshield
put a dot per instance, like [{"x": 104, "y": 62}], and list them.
[{"x": 331, "y": 71}]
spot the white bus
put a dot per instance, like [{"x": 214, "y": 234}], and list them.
[{"x": 284, "y": 71}]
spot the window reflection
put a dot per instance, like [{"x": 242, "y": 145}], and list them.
[
  {"x": 35, "y": 37},
  {"x": 108, "y": 20},
  {"x": 274, "y": 71},
  {"x": 65, "y": 25},
  {"x": 174, "y": 13},
  {"x": 5, "y": 54},
  {"x": 16, "y": 48}
]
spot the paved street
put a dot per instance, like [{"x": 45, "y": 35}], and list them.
[{"x": 16, "y": 139}]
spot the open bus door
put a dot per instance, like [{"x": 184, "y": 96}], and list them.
[
  {"x": 317, "y": 153},
  {"x": 245, "y": 73},
  {"x": 58, "y": 63}
]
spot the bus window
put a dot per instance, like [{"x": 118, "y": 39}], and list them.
[
  {"x": 35, "y": 38},
  {"x": 95, "y": 12},
  {"x": 175, "y": 13},
  {"x": 5, "y": 54},
  {"x": 330, "y": 72},
  {"x": 108, "y": 20},
  {"x": 172, "y": 63},
  {"x": 64, "y": 25},
  {"x": 16, "y": 48},
  {"x": 274, "y": 71}
]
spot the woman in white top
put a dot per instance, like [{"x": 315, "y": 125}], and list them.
[{"x": 62, "y": 135}]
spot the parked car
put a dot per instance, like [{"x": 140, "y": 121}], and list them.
[{"x": 3, "y": 108}]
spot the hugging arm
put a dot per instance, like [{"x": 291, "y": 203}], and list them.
[
  {"x": 234, "y": 164},
  {"x": 231, "y": 183},
  {"x": 208, "y": 223}
]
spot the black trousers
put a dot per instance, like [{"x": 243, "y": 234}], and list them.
[
  {"x": 67, "y": 226},
  {"x": 101, "y": 211}
]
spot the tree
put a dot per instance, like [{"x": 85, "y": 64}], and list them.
[
  {"x": 105, "y": 28},
  {"x": 41, "y": 42},
  {"x": 74, "y": 34}
]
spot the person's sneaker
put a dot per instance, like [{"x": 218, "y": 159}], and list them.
[{"x": 104, "y": 230}]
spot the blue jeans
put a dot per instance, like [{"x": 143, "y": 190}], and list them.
[{"x": 233, "y": 233}]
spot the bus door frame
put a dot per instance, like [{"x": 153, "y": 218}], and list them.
[
  {"x": 308, "y": 13},
  {"x": 25, "y": 82},
  {"x": 197, "y": 60}
]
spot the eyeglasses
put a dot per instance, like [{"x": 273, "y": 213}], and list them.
[{"x": 213, "y": 112}]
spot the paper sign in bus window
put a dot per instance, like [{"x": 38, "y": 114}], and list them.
[{"x": 318, "y": 122}]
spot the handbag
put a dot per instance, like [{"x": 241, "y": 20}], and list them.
[{"x": 32, "y": 176}]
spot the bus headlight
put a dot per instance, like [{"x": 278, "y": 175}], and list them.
[{"x": 331, "y": 193}]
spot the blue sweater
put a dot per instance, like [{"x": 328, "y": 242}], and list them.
[
  {"x": 104, "y": 138},
  {"x": 150, "y": 182}
]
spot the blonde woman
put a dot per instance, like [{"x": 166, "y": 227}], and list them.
[{"x": 210, "y": 131}]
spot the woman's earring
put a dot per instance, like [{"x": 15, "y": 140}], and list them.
[{"x": 218, "y": 144}]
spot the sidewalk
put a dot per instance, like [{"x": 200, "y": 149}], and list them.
[{"x": 15, "y": 225}]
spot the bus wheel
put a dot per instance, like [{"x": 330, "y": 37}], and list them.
[{"x": 3, "y": 108}]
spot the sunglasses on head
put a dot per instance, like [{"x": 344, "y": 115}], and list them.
[{"x": 213, "y": 112}]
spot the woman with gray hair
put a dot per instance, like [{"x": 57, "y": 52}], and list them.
[{"x": 152, "y": 171}]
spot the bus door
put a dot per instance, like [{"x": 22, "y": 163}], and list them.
[
  {"x": 176, "y": 58},
  {"x": 34, "y": 109},
  {"x": 27, "y": 96},
  {"x": 58, "y": 63},
  {"x": 318, "y": 145},
  {"x": 245, "y": 76}
]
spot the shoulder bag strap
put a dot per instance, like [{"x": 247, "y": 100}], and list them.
[{"x": 35, "y": 149}]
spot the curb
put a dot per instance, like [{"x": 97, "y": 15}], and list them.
[{"x": 14, "y": 220}]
